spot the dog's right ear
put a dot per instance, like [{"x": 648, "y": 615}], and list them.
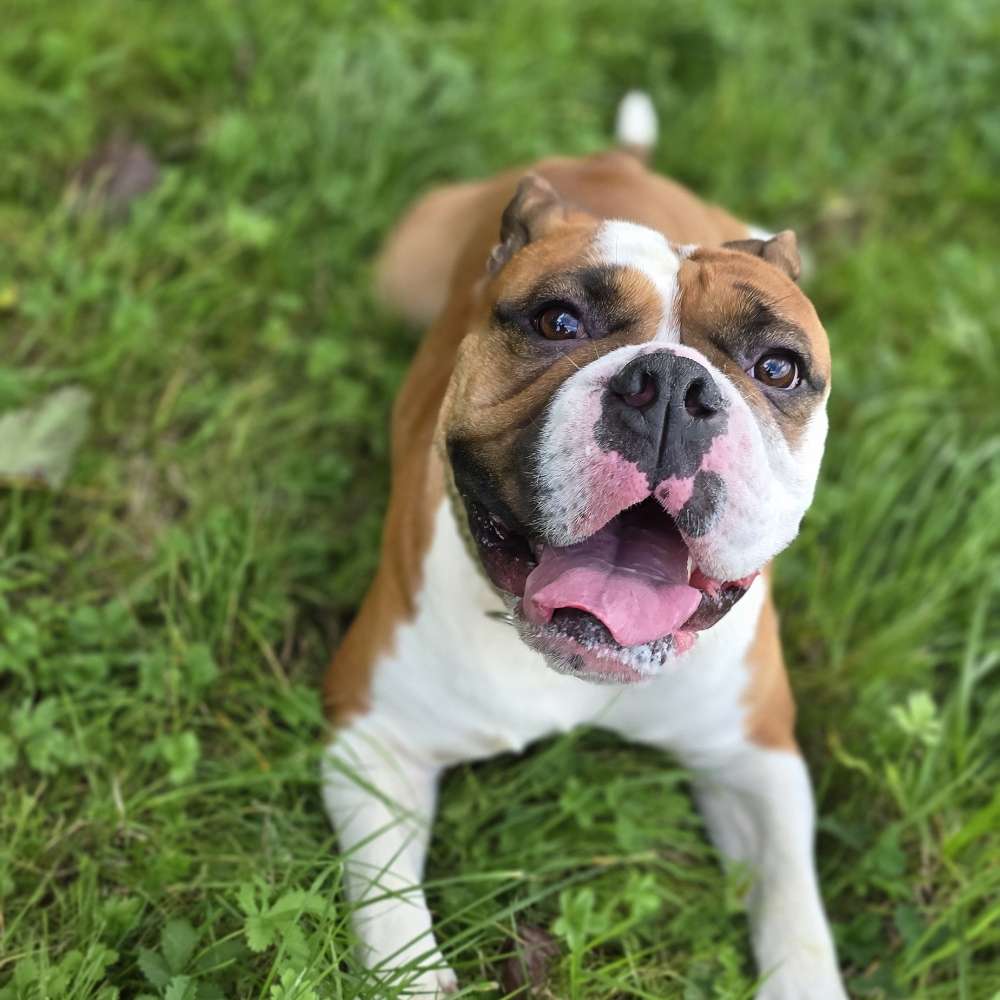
[
  {"x": 782, "y": 251},
  {"x": 533, "y": 211}
]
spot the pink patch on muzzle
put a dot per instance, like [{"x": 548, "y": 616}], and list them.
[
  {"x": 721, "y": 458},
  {"x": 674, "y": 492},
  {"x": 725, "y": 453},
  {"x": 613, "y": 483}
]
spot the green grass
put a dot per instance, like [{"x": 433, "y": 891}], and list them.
[{"x": 165, "y": 616}]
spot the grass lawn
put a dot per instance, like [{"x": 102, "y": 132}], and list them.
[{"x": 166, "y": 613}]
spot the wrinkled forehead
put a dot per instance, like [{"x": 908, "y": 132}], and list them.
[
  {"x": 624, "y": 271},
  {"x": 633, "y": 276},
  {"x": 733, "y": 296}
]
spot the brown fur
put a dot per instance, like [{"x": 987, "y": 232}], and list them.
[
  {"x": 433, "y": 267},
  {"x": 771, "y": 720},
  {"x": 461, "y": 223},
  {"x": 718, "y": 289}
]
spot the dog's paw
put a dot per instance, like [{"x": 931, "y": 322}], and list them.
[
  {"x": 433, "y": 984},
  {"x": 447, "y": 982},
  {"x": 802, "y": 986}
]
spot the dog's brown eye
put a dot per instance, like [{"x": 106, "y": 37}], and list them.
[
  {"x": 776, "y": 370},
  {"x": 559, "y": 323}
]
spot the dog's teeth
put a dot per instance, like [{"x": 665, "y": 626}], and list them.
[{"x": 506, "y": 617}]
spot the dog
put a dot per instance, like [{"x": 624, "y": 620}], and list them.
[{"x": 613, "y": 425}]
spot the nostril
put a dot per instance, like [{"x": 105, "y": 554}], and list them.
[
  {"x": 643, "y": 396},
  {"x": 699, "y": 400}
]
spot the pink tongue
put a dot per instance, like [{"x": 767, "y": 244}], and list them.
[{"x": 632, "y": 576}]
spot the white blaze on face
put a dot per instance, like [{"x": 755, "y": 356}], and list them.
[{"x": 627, "y": 245}]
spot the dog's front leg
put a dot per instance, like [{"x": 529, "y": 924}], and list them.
[
  {"x": 759, "y": 809},
  {"x": 381, "y": 803}
]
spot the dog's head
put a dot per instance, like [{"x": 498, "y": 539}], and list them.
[{"x": 634, "y": 429}]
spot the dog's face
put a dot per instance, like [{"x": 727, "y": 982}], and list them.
[{"x": 634, "y": 430}]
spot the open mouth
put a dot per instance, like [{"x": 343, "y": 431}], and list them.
[{"x": 627, "y": 596}]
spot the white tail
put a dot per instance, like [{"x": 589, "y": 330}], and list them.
[{"x": 635, "y": 124}]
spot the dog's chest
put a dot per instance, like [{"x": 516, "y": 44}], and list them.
[{"x": 460, "y": 684}]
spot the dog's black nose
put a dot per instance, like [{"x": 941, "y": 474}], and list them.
[{"x": 662, "y": 411}]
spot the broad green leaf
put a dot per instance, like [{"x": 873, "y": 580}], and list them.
[
  {"x": 154, "y": 968},
  {"x": 37, "y": 443},
  {"x": 247, "y": 898},
  {"x": 259, "y": 932},
  {"x": 178, "y": 942},
  {"x": 181, "y": 988}
]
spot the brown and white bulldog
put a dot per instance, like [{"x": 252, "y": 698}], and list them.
[{"x": 614, "y": 424}]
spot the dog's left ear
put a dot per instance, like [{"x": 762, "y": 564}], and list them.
[
  {"x": 782, "y": 251},
  {"x": 533, "y": 211}
]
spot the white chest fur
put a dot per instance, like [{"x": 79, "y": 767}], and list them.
[{"x": 459, "y": 684}]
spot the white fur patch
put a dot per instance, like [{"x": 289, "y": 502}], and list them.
[
  {"x": 625, "y": 244},
  {"x": 635, "y": 123},
  {"x": 759, "y": 810}
]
